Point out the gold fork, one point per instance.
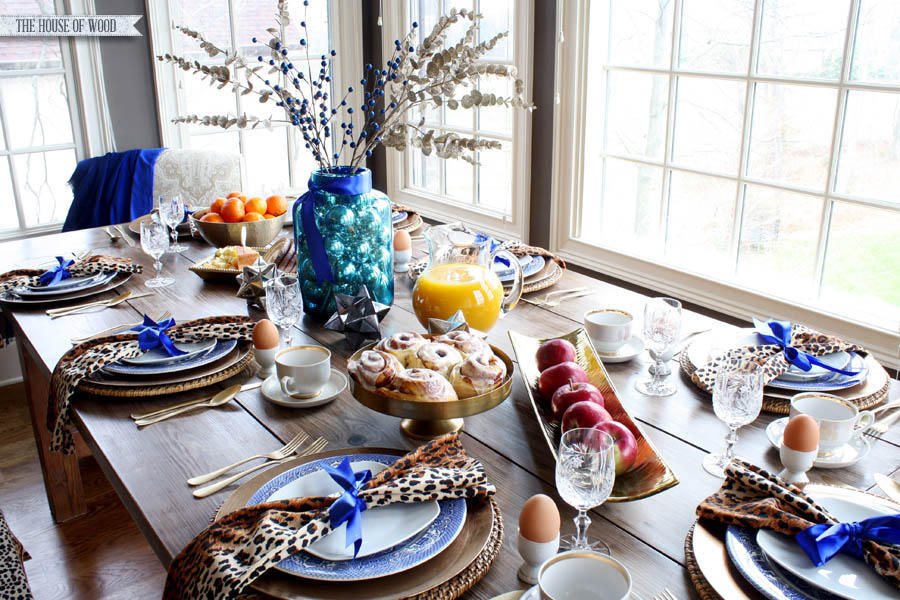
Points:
(62, 312)
(282, 452)
(317, 446)
(665, 595)
(557, 301)
(546, 297)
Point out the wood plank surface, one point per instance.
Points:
(148, 467)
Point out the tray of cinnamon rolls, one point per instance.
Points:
(430, 376)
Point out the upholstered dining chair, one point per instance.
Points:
(200, 176)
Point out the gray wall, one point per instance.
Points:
(128, 74)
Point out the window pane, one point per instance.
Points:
(304, 163)
(640, 32)
(460, 180)
(43, 182)
(252, 18)
(715, 35)
(495, 119)
(211, 18)
(621, 206)
(29, 52)
(226, 141)
(204, 99)
(876, 53)
(709, 115)
(779, 234)
(495, 179)
(426, 171)
(462, 118)
(790, 140)
(266, 159)
(701, 218)
(636, 114)
(870, 148)
(862, 262)
(8, 214)
(41, 108)
(497, 19)
(803, 38)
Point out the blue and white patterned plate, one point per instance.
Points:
(398, 216)
(835, 382)
(405, 555)
(530, 266)
(66, 286)
(159, 356)
(217, 351)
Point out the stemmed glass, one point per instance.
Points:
(585, 474)
(662, 325)
(737, 400)
(172, 213)
(155, 241)
(284, 304)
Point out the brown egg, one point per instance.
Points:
(539, 519)
(802, 433)
(402, 241)
(265, 335)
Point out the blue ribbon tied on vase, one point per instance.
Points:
(57, 273)
(152, 334)
(348, 508)
(349, 182)
(779, 334)
(821, 542)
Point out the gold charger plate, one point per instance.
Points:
(429, 420)
(268, 254)
(651, 474)
(113, 283)
(430, 576)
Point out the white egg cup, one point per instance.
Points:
(266, 359)
(401, 260)
(796, 464)
(535, 554)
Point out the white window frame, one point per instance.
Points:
(92, 133)
(396, 23)
(345, 22)
(568, 165)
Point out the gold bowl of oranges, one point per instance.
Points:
(239, 220)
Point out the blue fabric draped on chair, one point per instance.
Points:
(115, 188)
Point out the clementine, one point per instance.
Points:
(269, 216)
(216, 206)
(252, 216)
(256, 204)
(276, 205)
(212, 217)
(233, 194)
(233, 210)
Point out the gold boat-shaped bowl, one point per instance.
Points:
(650, 474)
(204, 271)
(429, 420)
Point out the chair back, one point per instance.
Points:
(200, 176)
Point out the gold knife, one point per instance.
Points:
(890, 487)
(167, 409)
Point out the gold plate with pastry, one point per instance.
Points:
(429, 420)
(205, 270)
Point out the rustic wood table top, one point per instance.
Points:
(149, 467)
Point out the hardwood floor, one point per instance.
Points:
(100, 555)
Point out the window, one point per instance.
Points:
(40, 128)
(743, 153)
(266, 152)
(493, 194)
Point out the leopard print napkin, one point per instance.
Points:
(89, 266)
(91, 356)
(238, 548)
(754, 498)
(13, 580)
(770, 356)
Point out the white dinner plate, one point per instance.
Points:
(78, 284)
(159, 356)
(383, 527)
(65, 284)
(843, 575)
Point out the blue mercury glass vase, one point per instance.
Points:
(357, 233)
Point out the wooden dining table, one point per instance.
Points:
(149, 467)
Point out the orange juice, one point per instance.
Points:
(445, 288)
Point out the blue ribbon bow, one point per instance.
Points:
(57, 273)
(823, 541)
(482, 238)
(779, 333)
(351, 183)
(348, 508)
(152, 334)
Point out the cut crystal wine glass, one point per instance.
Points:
(737, 400)
(662, 326)
(172, 213)
(284, 304)
(155, 241)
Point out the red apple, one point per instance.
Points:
(572, 392)
(553, 352)
(626, 446)
(584, 414)
(559, 375)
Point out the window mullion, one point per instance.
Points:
(17, 192)
(669, 142)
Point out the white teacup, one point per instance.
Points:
(303, 370)
(583, 574)
(608, 328)
(839, 420)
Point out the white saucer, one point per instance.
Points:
(628, 351)
(271, 389)
(849, 454)
(534, 594)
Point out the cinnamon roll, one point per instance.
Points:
(402, 345)
(464, 341)
(420, 385)
(437, 357)
(374, 369)
(478, 374)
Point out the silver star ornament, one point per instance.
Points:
(253, 279)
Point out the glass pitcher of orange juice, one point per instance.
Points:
(460, 276)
